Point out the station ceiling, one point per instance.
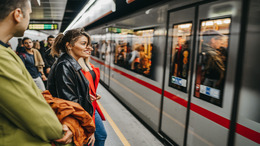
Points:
(61, 12)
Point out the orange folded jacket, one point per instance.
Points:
(74, 116)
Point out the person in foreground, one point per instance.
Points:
(26, 119)
(65, 79)
(92, 73)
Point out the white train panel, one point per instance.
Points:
(147, 69)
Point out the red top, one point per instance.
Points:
(93, 89)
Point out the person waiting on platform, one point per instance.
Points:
(92, 74)
(33, 62)
(20, 47)
(36, 45)
(25, 117)
(212, 63)
(48, 58)
(65, 80)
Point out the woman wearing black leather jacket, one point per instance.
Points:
(66, 80)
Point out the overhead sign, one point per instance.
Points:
(119, 30)
(42, 26)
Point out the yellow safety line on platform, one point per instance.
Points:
(116, 129)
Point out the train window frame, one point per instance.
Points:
(132, 49)
(170, 84)
(204, 97)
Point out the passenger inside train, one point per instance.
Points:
(212, 59)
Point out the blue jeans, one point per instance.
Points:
(100, 133)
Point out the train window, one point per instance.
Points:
(96, 45)
(122, 50)
(95, 49)
(136, 54)
(212, 59)
(180, 53)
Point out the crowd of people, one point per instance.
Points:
(136, 60)
(67, 113)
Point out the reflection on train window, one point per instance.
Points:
(212, 60)
(136, 54)
(97, 44)
(95, 49)
(102, 46)
(180, 53)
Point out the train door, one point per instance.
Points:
(102, 47)
(212, 88)
(95, 41)
(178, 73)
(107, 58)
(248, 118)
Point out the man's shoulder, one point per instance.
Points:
(208, 50)
(9, 58)
(35, 50)
(25, 55)
(22, 54)
(6, 53)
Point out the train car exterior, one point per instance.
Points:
(188, 69)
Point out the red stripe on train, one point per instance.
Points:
(240, 129)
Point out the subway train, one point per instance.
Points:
(188, 69)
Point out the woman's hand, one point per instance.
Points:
(91, 140)
(67, 138)
(98, 96)
(92, 98)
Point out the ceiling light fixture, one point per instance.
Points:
(87, 6)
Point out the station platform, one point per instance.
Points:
(123, 129)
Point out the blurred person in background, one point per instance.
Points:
(48, 58)
(20, 47)
(36, 45)
(33, 62)
(212, 60)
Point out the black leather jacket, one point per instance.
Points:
(48, 59)
(66, 81)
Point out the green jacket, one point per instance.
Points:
(25, 117)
